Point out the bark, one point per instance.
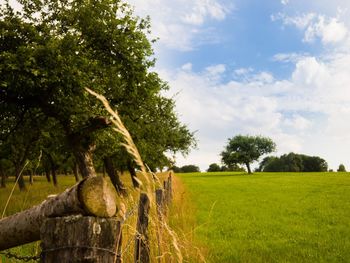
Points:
(93, 196)
(114, 176)
(133, 175)
(80, 239)
(53, 168)
(19, 177)
(47, 173)
(31, 178)
(76, 172)
(85, 162)
(3, 178)
(248, 168)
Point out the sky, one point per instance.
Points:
(275, 68)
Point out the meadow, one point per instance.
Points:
(270, 217)
(233, 217)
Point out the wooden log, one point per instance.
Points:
(92, 196)
(142, 249)
(80, 238)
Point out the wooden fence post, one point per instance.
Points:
(78, 238)
(170, 188)
(142, 249)
(92, 196)
(160, 202)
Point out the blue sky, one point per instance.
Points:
(277, 68)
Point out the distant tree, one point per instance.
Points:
(341, 168)
(232, 168)
(214, 167)
(246, 149)
(293, 162)
(176, 169)
(190, 169)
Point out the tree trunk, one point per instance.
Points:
(31, 178)
(93, 196)
(76, 172)
(133, 175)
(19, 177)
(81, 239)
(114, 176)
(85, 162)
(54, 177)
(47, 173)
(248, 168)
(3, 178)
(53, 168)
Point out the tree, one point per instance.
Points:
(190, 169)
(246, 149)
(214, 167)
(293, 162)
(341, 168)
(51, 50)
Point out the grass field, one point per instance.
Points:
(271, 217)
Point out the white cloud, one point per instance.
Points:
(180, 24)
(305, 113)
(289, 57)
(284, 2)
(330, 30)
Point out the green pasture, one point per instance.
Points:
(271, 217)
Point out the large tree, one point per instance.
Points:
(246, 149)
(51, 50)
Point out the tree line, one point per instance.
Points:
(50, 52)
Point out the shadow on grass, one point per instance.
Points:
(214, 174)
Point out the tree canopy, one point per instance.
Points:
(246, 149)
(293, 162)
(52, 50)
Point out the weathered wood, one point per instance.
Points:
(170, 189)
(142, 249)
(80, 239)
(92, 196)
(160, 202)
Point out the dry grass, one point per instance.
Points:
(160, 234)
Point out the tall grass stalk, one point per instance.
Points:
(149, 185)
(13, 188)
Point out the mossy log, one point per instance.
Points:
(92, 196)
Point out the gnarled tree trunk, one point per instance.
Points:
(248, 168)
(114, 176)
(85, 161)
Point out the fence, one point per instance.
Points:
(79, 225)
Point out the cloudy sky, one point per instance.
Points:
(277, 68)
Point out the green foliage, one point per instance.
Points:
(293, 162)
(341, 168)
(214, 167)
(186, 169)
(52, 50)
(246, 149)
(279, 217)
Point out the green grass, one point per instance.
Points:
(272, 217)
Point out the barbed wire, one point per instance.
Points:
(129, 213)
